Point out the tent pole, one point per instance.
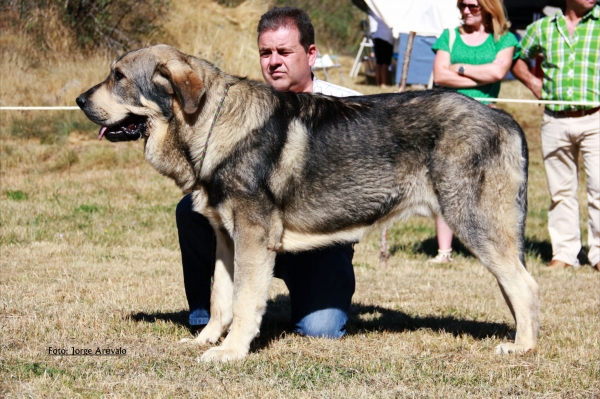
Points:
(383, 255)
(407, 54)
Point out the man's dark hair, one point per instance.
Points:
(288, 17)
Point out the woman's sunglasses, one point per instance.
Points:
(472, 7)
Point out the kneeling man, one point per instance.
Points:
(320, 281)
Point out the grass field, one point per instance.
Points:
(89, 259)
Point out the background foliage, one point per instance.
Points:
(337, 23)
(117, 25)
(121, 25)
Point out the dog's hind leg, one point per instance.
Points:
(501, 257)
(221, 296)
(486, 211)
(521, 293)
(254, 265)
(530, 329)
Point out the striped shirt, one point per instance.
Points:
(330, 89)
(571, 65)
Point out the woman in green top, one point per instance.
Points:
(473, 59)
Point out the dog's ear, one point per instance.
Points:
(184, 81)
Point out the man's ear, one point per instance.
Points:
(184, 81)
(312, 55)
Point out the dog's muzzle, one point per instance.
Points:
(132, 128)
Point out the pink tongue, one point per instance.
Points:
(101, 134)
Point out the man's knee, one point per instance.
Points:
(326, 323)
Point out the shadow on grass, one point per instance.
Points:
(429, 247)
(533, 247)
(383, 319)
(275, 322)
(180, 317)
(537, 248)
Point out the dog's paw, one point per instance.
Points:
(222, 355)
(209, 334)
(508, 348)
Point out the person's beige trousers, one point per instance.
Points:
(562, 141)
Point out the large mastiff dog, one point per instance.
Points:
(287, 172)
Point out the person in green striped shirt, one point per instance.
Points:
(570, 45)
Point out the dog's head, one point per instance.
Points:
(140, 92)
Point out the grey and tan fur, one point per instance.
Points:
(288, 172)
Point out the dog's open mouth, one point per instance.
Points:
(132, 128)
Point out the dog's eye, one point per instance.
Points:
(119, 76)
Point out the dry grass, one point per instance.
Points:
(225, 36)
(89, 258)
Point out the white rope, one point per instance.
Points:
(37, 108)
(496, 100)
(509, 100)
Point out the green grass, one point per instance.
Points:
(53, 128)
(17, 195)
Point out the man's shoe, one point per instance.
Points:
(597, 267)
(557, 264)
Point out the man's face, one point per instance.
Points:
(581, 5)
(285, 65)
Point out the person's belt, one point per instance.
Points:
(572, 114)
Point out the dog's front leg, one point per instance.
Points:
(254, 265)
(221, 297)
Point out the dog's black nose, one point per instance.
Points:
(81, 101)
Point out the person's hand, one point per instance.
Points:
(535, 85)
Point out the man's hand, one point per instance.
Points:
(535, 85)
(521, 71)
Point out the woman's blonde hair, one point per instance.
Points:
(497, 22)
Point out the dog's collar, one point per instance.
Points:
(203, 154)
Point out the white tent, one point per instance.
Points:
(426, 17)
